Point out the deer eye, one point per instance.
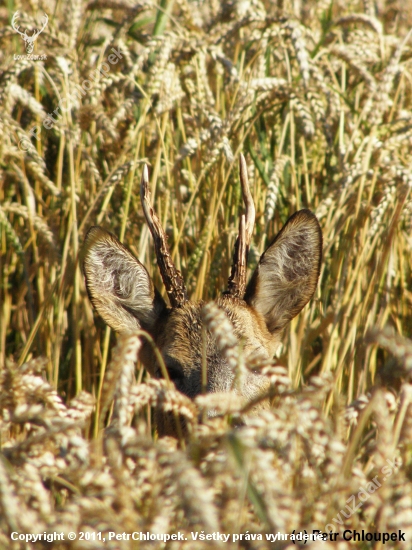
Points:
(175, 370)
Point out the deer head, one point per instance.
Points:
(283, 282)
(28, 40)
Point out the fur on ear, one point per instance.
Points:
(288, 271)
(118, 284)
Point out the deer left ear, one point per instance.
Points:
(118, 284)
(288, 271)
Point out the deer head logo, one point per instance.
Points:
(28, 40)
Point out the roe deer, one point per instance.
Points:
(283, 282)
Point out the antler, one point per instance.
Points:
(172, 278)
(45, 23)
(13, 23)
(237, 281)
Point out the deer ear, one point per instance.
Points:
(288, 271)
(119, 285)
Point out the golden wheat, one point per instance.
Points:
(318, 97)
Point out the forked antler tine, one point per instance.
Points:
(247, 199)
(46, 17)
(237, 279)
(45, 22)
(13, 23)
(172, 278)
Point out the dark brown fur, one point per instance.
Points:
(283, 282)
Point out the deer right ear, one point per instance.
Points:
(118, 284)
(288, 271)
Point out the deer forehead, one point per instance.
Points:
(182, 340)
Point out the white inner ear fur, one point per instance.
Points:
(287, 274)
(119, 285)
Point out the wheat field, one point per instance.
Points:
(318, 97)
